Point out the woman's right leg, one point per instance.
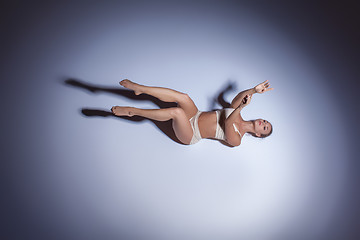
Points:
(181, 124)
(164, 94)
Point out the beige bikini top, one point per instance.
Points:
(220, 134)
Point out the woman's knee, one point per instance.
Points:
(183, 98)
(177, 112)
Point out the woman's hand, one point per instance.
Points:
(245, 101)
(263, 87)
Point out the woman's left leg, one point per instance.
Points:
(164, 94)
(181, 124)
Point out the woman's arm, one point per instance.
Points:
(235, 103)
(233, 137)
(260, 88)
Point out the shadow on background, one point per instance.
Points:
(165, 127)
(219, 97)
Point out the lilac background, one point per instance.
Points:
(72, 176)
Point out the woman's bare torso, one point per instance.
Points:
(207, 124)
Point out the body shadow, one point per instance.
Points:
(164, 126)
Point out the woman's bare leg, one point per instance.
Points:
(181, 124)
(164, 94)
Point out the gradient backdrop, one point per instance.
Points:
(73, 171)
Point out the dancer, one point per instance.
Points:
(191, 125)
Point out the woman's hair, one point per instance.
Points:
(262, 135)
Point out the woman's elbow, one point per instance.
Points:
(234, 143)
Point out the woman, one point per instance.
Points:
(190, 125)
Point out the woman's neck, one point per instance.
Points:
(248, 126)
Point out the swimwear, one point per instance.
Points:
(219, 134)
(195, 127)
(220, 114)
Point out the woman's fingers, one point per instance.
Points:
(246, 100)
(264, 87)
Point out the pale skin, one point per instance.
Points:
(186, 109)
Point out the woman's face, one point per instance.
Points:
(262, 127)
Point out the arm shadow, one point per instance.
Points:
(219, 97)
(165, 127)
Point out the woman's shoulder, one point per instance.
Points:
(226, 110)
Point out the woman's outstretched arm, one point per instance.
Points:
(235, 103)
(260, 88)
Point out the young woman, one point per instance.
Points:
(191, 125)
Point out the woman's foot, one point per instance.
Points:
(122, 111)
(131, 85)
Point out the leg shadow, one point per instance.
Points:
(120, 92)
(165, 127)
